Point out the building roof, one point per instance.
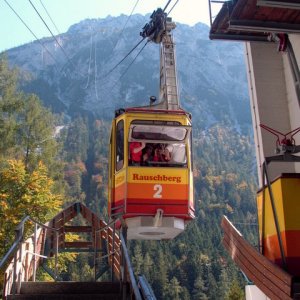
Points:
(254, 20)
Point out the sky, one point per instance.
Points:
(65, 13)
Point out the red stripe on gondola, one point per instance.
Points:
(171, 208)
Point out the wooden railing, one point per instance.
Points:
(27, 255)
(269, 278)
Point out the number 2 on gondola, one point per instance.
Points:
(158, 190)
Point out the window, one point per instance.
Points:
(159, 133)
(158, 154)
(120, 145)
(158, 143)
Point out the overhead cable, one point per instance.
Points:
(167, 5)
(134, 59)
(63, 50)
(50, 17)
(114, 85)
(128, 18)
(38, 40)
(124, 58)
(172, 7)
(120, 35)
(134, 48)
(131, 62)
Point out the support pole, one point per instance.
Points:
(263, 221)
(34, 251)
(14, 274)
(56, 256)
(124, 265)
(113, 252)
(95, 254)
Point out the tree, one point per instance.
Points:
(27, 129)
(160, 282)
(235, 292)
(199, 289)
(10, 106)
(77, 140)
(137, 259)
(147, 267)
(223, 283)
(174, 290)
(36, 132)
(21, 194)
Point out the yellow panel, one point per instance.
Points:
(291, 204)
(286, 192)
(120, 177)
(270, 228)
(183, 119)
(158, 175)
(259, 202)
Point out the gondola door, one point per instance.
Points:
(117, 185)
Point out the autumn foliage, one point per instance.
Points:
(23, 193)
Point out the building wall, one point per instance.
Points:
(273, 100)
(293, 104)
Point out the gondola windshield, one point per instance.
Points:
(159, 145)
(156, 132)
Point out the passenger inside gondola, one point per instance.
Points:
(175, 154)
(135, 150)
(159, 153)
(170, 152)
(148, 155)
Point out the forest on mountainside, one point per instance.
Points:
(47, 171)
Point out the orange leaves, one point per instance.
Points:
(23, 193)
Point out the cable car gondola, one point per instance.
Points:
(150, 174)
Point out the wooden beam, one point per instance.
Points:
(78, 228)
(291, 4)
(272, 280)
(78, 244)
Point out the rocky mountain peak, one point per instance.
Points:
(212, 77)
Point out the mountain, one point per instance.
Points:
(79, 75)
(74, 72)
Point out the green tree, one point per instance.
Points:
(137, 259)
(10, 106)
(173, 290)
(36, 133)
(223, 284)
(27, 128)
(77, 140)
(148, 267)
(199, 289)
(235, 292)
(160, 282)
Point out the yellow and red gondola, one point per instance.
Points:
(153, 198)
